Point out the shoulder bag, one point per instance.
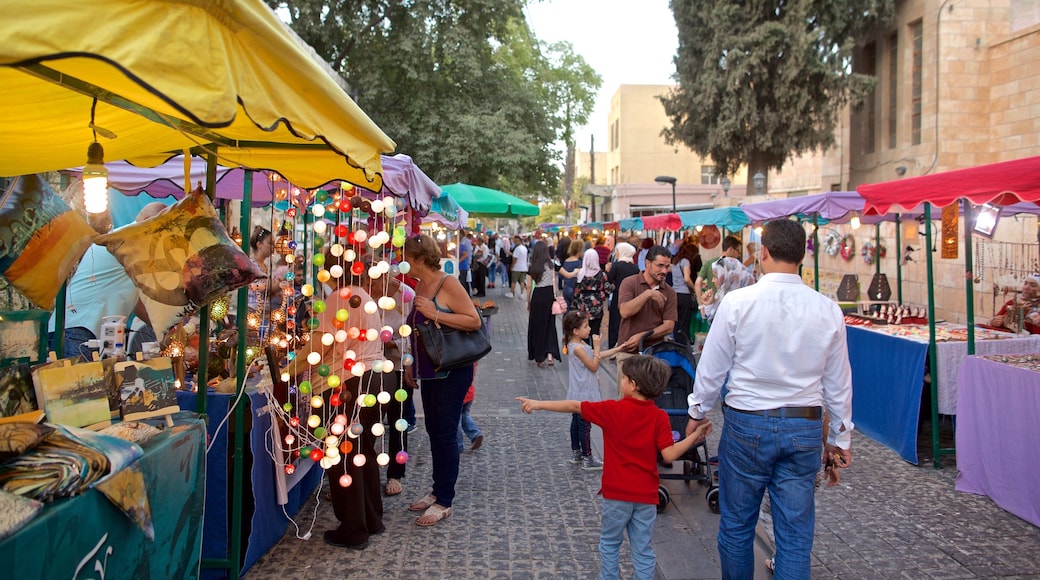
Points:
(559, 305)
(450, 348)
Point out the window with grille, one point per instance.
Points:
(917, 33)
(893, 90)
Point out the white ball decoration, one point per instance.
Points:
(358, 370)
(384, 265)
(325, 462)
(350, 354)
(289, 258)
(405, 330)
(404, 267)
(384, 396)
(332, 453)
(313, 358)
(377, 207)
(341, 336)
(360, 460)
(377, 366)
(318, 210)
(374, 273)
(370, 307)
(327, 339)
(331, 441)
(320, 226)
(349, 254)
(336, 429)
(374, 241)
(382, 302)
(389, 200)
(336, 271)
(285, 377)
(360, 236)
(382, 459)
(336, 250)
(390, 211)
(388, 366)
(371, 334)
(378, 429)
(341, 420)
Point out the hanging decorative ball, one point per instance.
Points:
(341, 335)
(383, 397)
(277, 316)
(397, 241)
(356, 429)
(386, 335)
(401, 395)
(327, 339)
(336, 429)
(366, 206)
(407, 359)
(370, 307)
(405, 267)
(316, 454)
(358, 369)
(333, 381)
(332, 454)
(324, 370)
(356, 201)
(360, 460)
(370, 400)
(377, 366)
(371, 334)
(307, 290)
(383, 459)
(313, 421)
(324, 276)
(344, 205)
(388, 366)
(319, 432)
(390, 211)
(313, 323)
(291, 311)
(313, 358)
(349, 254)
(320, 226)
(290, 439)
(294, 421)
(322, 196)
(318, 260)
(318, 306)
(253, 320)
(336, 271)
(346, 447)
(345, 480)
(405, 330)
(290, 469)
(305, 386)
(374, 273)
(360, 236)
(335, 400)
(342, 231)
(401, 425)
(378, 429)
(318, 210)
(287, 407)
(293, 245)
(402, 456)
(219, 308)
(317, 402)
(355, 301)
(377, 206)
(318, 243)
(336, 250)
(357, 269)
(304, 451)
(326, 462)
(291, 212)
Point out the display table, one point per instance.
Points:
(997, 451)
(263, 523)
(87, 537)
(888, 374)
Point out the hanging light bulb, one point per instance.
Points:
(854, 222)
(95, 180)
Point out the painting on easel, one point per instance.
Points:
(147, 388)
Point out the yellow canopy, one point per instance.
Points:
(225, 75)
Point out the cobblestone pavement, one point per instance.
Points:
(523, 511)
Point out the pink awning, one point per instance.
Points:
(665, 221)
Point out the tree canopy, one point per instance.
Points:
(462, 86)
(762, 80)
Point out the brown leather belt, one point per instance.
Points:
(785, 412)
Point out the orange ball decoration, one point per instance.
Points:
(346, 447)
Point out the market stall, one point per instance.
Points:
(996, 456)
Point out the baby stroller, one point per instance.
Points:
(679, 355)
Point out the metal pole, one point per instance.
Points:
(899, 261)
(933, 355)
(969, 277)
(673, 197)
(816, 251)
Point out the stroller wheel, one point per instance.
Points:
(663, 497)
(713, 499)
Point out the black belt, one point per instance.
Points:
(785, 412)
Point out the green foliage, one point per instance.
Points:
(760, 81)
(462, 86)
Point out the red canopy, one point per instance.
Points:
(1002, 183)
(665, 221)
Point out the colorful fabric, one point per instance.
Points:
(731, 275)
(592, 293)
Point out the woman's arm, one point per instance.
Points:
(686, 276)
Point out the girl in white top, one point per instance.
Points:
(583, 362)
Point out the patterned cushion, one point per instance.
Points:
(41, 239)
(180, 259)
(15, 512)
(17, 438)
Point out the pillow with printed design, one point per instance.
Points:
(41, 239)
(180, 259)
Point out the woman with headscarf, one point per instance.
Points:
(542, 342)
(592, 291)
(729, 274)
(622, 267)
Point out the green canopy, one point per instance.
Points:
(485, 202)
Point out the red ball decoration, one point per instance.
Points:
(335, 400)
(353, 332)
(350, 238)
(290, 469)
(316, 454)
(344, 206)
(348, 364)
(342, 231)
(291, 212)
(294, 421)
(291, 311)
(345, 292)
(357, 268)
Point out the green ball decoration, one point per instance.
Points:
(398, 241)
(287, 407)
(318, 306)
(399, 232)
(305, 451)
(324, 370)
(322, 196)
(313, 323)
(401, 395)
(370, 400)
(305, 388)
(318, 242)
(318, 260)
(319, 432)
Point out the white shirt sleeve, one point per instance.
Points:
(715, 363)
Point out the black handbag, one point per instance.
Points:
(450, 348)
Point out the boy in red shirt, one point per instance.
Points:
(634, 430)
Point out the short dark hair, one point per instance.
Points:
(650, 374)
(656, 251)
(785, 240)
(730, 243)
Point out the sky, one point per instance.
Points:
(628, 42)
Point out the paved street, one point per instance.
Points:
(523, 511)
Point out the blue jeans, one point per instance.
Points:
(580, 435)
(75, 343)
(467, 425)
(782, 455)
(503, 271)
(492, 269)
(638, 520)
(442, 405)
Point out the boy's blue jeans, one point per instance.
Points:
(467, 425)
(758, 453)
(638, 520)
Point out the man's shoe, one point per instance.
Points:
(590, 463)
(330, 539)
(477, 443)
(576, 456)
(509, 294)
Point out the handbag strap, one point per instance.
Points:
(437, 290)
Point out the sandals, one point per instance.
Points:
(393, 487)
(432, 515)
(423, 504)
(770, 564)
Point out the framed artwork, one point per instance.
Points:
(17, 394)
(73, 395)
(23, 336)
(146, 388)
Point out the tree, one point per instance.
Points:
(760, 81)
(458, 84)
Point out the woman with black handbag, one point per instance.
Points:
(443, 301)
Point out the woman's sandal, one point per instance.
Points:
(770, 564)
(432, 515)
(423, 504)
(393, 487)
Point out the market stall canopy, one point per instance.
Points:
(226, 76)
(631, 224)
(486, 202)
(664, 221)
(403, 178)
(1002, 183)
(731, 218)
(830, 206)
(447, 212)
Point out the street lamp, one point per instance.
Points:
(759, 181)
(725, 186)
(671, 180)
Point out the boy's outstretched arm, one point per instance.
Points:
(683, 445)
(530, 405)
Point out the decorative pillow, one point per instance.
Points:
(133, 431)
(41, 239)
(15, 512)
(180, 259)
(17, 438)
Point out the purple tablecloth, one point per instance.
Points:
(998, 444)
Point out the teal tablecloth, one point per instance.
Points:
(87, 537)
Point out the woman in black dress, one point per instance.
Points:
(622, 267)
(542, 341)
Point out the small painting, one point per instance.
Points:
(23, 336)
(17, 395)
(147, 388)
(73, 395)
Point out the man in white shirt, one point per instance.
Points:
(518, 275)
(782, 346)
